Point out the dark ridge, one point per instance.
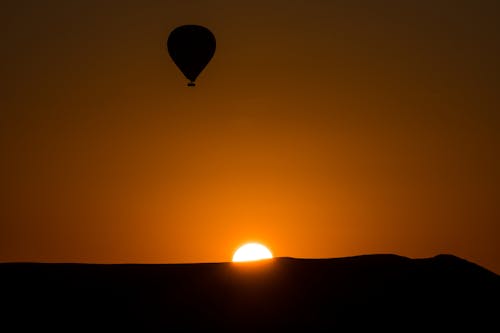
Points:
(370, 292)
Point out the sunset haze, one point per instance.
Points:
(320, 129)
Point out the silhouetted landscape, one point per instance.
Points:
(384, 291)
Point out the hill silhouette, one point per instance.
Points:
(383, 291)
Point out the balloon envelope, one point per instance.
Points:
(191, 47)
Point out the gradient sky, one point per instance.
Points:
(320, 128)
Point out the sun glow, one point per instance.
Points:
(252, 252)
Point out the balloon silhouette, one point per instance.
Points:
(191, 47)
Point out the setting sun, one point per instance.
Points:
(251, 252)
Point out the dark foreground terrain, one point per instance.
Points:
(373, 292)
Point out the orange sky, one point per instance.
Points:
(320, 128)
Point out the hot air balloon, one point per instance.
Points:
(191, 47)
